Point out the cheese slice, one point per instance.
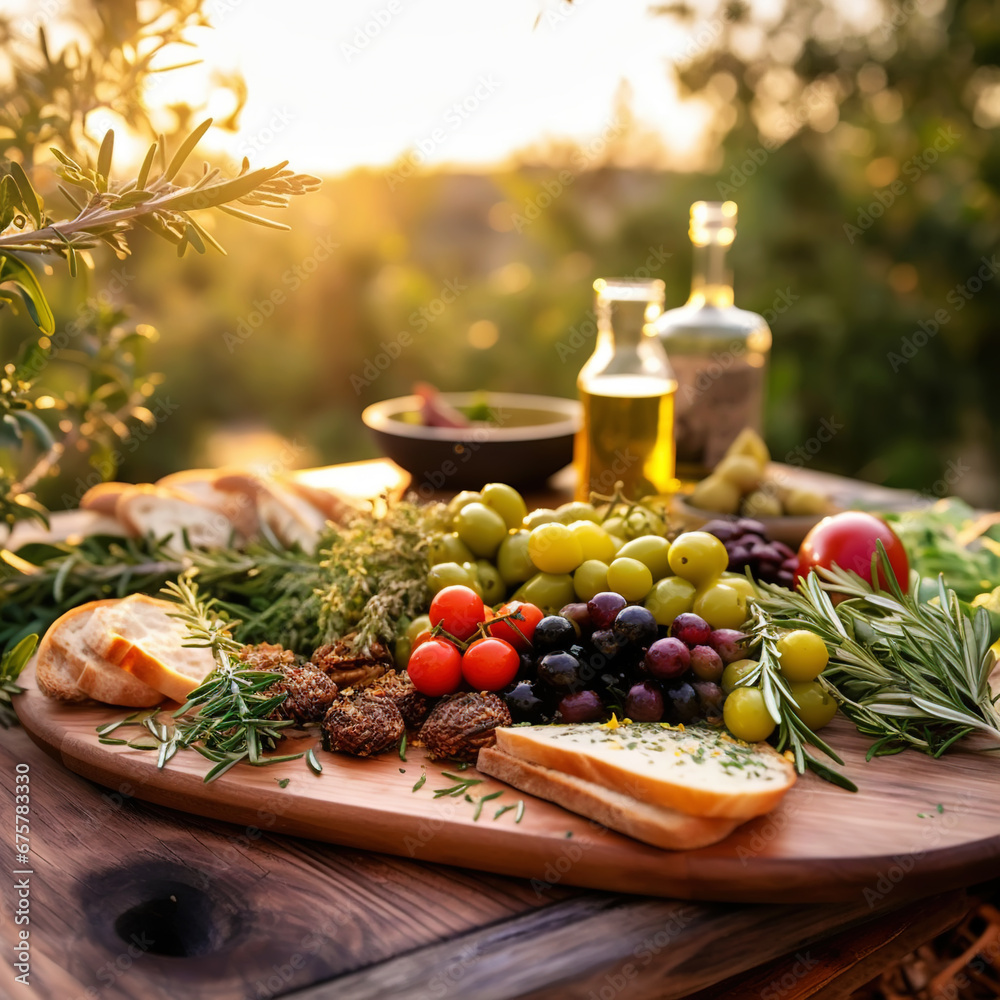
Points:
(698, 770)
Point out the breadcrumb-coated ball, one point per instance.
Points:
(362, 725)
(462, 724)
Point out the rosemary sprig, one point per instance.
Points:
(11, 664)
(793, 733)
(227, 718)
(908, 674)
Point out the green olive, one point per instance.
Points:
(448, 548)
(507, 502)
(543, 515)
(459, 500)
(746, 715)
(494, 590)
(481, 528)
(590, 578)
(653, 550)
(513, 561)
(735, 672)
(419, 624)
(670, 597)
(451, 574)
(815, 706)
(576, 510)
(549, 591)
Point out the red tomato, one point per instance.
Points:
(848, 539)
(435, 667)
(490, 664)
(519, 637)
(421, 638)
(458, 610)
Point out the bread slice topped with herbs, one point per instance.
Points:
(697, 770)
(656, 825)
(139, 634)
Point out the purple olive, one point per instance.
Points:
(583, 706)
(751, 527)
(710, 698)
(644, 703)
(579, 613)
(706, 664)
(667, 659)
(728, 643)
(604, 608)
(691, 629)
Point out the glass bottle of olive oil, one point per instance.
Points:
(627, 390)
(719, 352)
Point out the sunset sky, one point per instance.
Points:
(361, 82)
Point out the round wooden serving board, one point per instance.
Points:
(917, 825)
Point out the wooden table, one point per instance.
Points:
(131, 900)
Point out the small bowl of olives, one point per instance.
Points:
(511, 438)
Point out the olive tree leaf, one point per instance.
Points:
(104, 159)
(17, 273)
(28, 419)
(31, 201)
(185, 150)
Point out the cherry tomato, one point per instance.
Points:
(420, 638)
(490, 664)
(435, 668)
(520, 637)
(458, 610)
(848, 539)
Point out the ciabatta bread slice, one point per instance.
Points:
(698, 770)
(103, 497)
(67, 669)
(138, 634)
(156, 510)
(292, 519)
(201, 485)
(656, 825)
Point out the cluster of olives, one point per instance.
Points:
(551, 558)
(748, 547)
(608, 655)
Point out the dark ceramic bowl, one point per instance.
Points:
(528, 439)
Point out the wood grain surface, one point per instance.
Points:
(133, 901)
(917, 826)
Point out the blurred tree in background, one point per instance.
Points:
(863, 155)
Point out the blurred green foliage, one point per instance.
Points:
(821, 125)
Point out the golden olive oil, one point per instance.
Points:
(627, 436)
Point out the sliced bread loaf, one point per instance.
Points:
(698, 770)
(200, 484)
(656, 825)
(67, 669)
(291, 518)
(138, 634)
(159, 511)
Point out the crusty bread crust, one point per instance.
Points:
(103, 497)
(68, 670)
(161, 510)
(661, 827)
(743, 802)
